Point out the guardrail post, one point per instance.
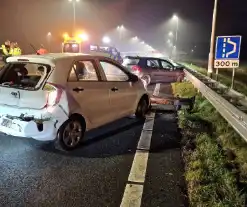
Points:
(233, 77)
(217, 73)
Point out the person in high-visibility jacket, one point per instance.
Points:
(15, 50)
(4, 50)
(42, 50)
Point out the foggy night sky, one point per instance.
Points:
(28, 21)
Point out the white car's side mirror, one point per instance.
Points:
(133, 78)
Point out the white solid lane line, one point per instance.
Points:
(132, 196)
(134, 188)
(156, 89)
(144, 143)
(139, 166)
(148, 125)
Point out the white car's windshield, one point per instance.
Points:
(23, 75)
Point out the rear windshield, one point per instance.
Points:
(130, 61)
(27, 76)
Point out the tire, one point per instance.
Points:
(71, 133)
(142, 109)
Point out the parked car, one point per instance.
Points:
(153, 69)
(61, 96)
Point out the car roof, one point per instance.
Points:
(51, 58)
(141, 57)
(151, 58)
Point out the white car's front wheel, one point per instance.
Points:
(71, 133)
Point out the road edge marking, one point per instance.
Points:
(134, 188)
(133, 191)
(132, 195)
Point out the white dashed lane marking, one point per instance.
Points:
(156, 89)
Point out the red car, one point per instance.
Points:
(154, 70)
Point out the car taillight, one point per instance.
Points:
(54, 94)
(136, 68)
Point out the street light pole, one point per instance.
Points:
(120, 32)
(212, 42)
(74, 15)
(49, 41)
(176, 38)
(177, 33)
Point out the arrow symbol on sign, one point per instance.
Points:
(234, 47)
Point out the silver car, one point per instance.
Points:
(151, 69)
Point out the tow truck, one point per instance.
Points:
(80, 45)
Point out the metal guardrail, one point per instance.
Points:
(236, 118)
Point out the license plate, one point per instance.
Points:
(7, 123)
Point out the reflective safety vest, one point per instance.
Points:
(4, 50)
(15, 51)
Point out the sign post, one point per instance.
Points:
(217, 73)
(233, 77)
(227, 53)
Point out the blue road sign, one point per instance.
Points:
(228, 47)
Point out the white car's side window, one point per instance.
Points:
(83, 71)
(113, 73)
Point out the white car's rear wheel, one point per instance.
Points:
(71, 133)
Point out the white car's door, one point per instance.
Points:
(123, 95)
(90, 93)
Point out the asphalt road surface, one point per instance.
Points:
(128, 163)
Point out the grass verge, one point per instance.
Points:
(215, 155)
(225, 78)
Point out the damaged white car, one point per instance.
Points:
(61, 96)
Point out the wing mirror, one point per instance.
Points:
(133, 78)
(179, 68)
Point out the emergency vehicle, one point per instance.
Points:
(78, 45)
